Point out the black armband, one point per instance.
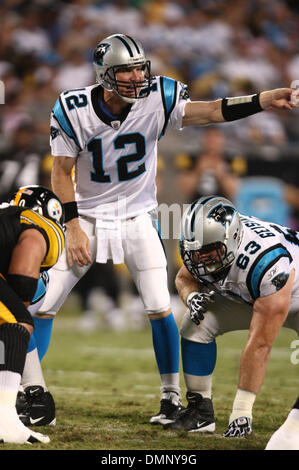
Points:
(240, 107)
(70, 211)
(24, 286)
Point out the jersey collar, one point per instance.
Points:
(107, 118)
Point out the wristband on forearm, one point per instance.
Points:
(70, 211)
(243, 404)
(239, 107)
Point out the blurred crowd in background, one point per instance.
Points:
(219, 48)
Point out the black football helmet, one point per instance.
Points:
(40, 200)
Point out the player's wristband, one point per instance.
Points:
(70, 211)
(243, 404)
(240, 107)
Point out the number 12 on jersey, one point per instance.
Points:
(124, 174)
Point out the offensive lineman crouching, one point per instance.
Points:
(239, 273)
(31, 240)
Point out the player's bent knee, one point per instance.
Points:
(204, 333)
(44, 315)
(155, 315)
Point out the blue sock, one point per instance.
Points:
(42, 333)
(166, 344)
(32, 343)
(198, 358)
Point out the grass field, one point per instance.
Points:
(106, 387)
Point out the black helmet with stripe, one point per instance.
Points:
(41, 200)
(211, 234)
(117, 52)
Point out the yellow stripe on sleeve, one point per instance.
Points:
(54, 232)
(5, 315)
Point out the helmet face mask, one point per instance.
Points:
(210, 263)
(40, 200)
(211, 234)
(118, 53)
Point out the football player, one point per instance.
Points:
(239, 273)
(108, 133)
(35, 404)
(31, 240)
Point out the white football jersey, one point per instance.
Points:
(267, 254)
(116, 156)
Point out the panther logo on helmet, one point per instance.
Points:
(100, 52)
(222, 214)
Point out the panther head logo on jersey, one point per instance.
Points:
(100, 52)
(54, 132)
(184, 94)
(280, 280)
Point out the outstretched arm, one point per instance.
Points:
(198, 113)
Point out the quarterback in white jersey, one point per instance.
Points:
(108, 134)
(116, 157)
(239, 273)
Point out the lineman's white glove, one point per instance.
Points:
(240, 427)
(198, 304)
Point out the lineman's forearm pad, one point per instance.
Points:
(239, 107)
(24, 286)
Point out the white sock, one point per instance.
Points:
(199, 384)
(9, 387)
(170, 383)
(33, 374)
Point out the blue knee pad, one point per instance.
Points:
(166, 344)
(198, 358)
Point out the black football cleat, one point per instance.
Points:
(170, 407)
(197, 417)
(36, 407)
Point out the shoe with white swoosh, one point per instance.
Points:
(197, 417)
(36, 407)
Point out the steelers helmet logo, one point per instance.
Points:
(54, 209)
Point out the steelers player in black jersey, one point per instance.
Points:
(31, 240)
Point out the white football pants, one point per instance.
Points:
(134, 241)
